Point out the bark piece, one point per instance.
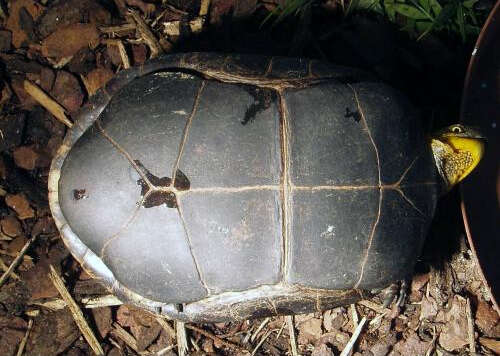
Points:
(11, 226)
(20, 205)
(454, 334)
(64, 13)
(68, 40)
(67, 91)
(26, 157)
(11, 127)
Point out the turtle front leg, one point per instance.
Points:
(397, 292)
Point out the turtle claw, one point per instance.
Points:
(395, 292)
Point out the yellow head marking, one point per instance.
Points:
(457, 151)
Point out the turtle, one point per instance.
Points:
(209, 187)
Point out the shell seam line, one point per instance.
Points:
(186, 131)
(377, 218)
(124, 153)
(285, 185)
(191, 250)
(124, 227)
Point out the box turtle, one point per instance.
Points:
(211, 187)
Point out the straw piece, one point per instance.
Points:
(76, 312)
(353, 338)
(16, 261)
(47, 102)
(25, 338)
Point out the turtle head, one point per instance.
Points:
(457, 150)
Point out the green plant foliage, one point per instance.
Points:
(417, 17)
(290, 8)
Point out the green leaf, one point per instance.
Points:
(461, 21)
(410, 12)
(389, 6)
(469, 4)
(435, 7)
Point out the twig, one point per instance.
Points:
(353, 338)
(53, 304)
(261, 326)
(25, 338)
(5, 268)
(146, 34)
(16, 261)
(215, 338)
(291, 332)
(182, 345)
(76, 312)
(470, 328)
(266, 335)
(108, 300)
(121, 50)
(165, 350)
(281, 330)
(166, 326)
(47, 102)
(118, 30)
(379, 308)
(123, 334)
(355, 317)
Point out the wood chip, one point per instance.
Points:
(470, 327)
(146, 34)
(125, 336)
(205, 4)
(291, 332)
(166, 326)
(47, 102)
(228, 344)
(118, 30)
(76, 312)
(108, 300)
(492, 344)
(121, 50)
(182, 345)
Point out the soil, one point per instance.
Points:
(69, 49)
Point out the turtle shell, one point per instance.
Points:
(210, 188)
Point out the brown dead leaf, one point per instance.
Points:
(412, 345)
(64, 13)
(309, 331)
(103, 320)
(12, 330)
(337, 338)
(66, 41)
(334, 319)
(25, 157)
(322, 350)
(11, 226)
(487, 319)
(428, 308)
(14, 21)
(67, 91)
(5, 41)
(492, 344)
(454, 334)
(52, 333)
(20, 205)
(17, 244)
(96, 79)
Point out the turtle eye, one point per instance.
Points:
(457, 129)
